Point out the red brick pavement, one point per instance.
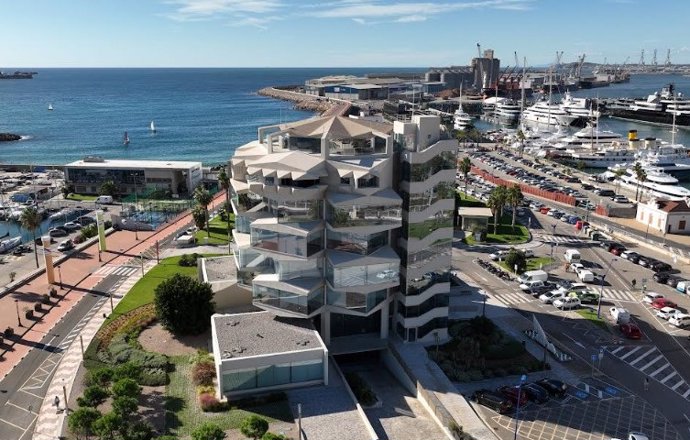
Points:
(77, 280)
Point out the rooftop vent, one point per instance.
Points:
(227, 354)
(239, 349)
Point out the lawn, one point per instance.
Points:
(505, 234)
(142, 292)
(591, 316)
(81, 197)
(183, 414)
(218, 230)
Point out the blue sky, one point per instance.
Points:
(334, 33)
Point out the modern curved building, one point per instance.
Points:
(348, 223)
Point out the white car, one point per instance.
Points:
(498, 255)
(680, 320)
(576, 267)
(667, 312)
(635, 436)
(651, 296)
(567, 303)
(550, 297)
(386, 274)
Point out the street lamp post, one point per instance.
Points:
(601, 290)
(523, 378)
(136, 204)
(19, 320)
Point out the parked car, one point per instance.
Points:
(627, 254)
(617, 249)
(567, 303)
(620, 315)
(660, 266)
(58, 232)
(649, 297)
(660, 303)
(550, 297)
(631, 331)
(586, 297)
(86, 220)
(553, 386)
(493, 400)
(72, 226)
(65, 245)
(620, 199)
(673, 280)
(499, 255)
(646, 261)
(661, 277)
(680, 320)
(667, 312)
(514, 395)
(535, 393)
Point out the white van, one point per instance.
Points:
(585, 276)
(104, 200)
(572, 256)
(533, 275)
(680, 320)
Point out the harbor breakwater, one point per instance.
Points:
(318, 104)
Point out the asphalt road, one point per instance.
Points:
(22, 391)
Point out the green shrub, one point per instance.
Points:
(507, 350)
(272, 436)
(126, 387)
(254, 427)
(188, 260)
(153, 377)
(128, 370)
(205, 389)
(93, 396)
(99, 376)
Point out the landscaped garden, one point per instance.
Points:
(218, 231)
(147, 370)
(478, 350)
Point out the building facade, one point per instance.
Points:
(130, 176)
(665, 216)
(322, 207)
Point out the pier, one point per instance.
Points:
(324, 106)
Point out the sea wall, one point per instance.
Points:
(319, 104)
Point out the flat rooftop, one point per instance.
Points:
(263, 333)
(134, 164)
(220, 269)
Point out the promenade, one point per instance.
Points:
(78, 280)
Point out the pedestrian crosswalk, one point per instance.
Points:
(649, 360)
(118, 270)
(562, 239)
(512, 298)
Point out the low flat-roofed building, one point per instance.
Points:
(665, 216)
(257, 352)
(178, 177)
(474, 218)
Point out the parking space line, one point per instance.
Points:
(676, 386)
(649, 364)
(617, 350)
(686, 394)
(631, 352)
(639, 358)
(659, 370)
(673, 373)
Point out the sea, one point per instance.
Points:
(199, 114)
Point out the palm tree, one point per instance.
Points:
(521, 138)
(494, 203)
(502, 194)
(31, 221)
(641, 178)
(515, 198)
(638, 170)
(224, 181)
(465, 168)
(203, 198)
(618, 173)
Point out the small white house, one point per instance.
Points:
(260, 352)
(665, 216)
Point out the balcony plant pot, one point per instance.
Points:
(37, 307)
(45, 299)
(53, 292)
(29, 314)
(9, 332)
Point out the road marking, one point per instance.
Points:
(16, 426)
(639, 358)
(617, 350)
(652, 361)
(659, 370)
(676, 386)
(687, 393)
(630, 352)
(668, 377)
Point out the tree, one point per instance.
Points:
(93, 396)
(515, 198)
(108, 426)
(224, 181)
(618, 172)
(126, 388)
(108, 188)
(580, 165)
(272, 436)
(31, 221)
(637, 169)
(254, 427)
(199, 216)
(66, 190)
(125, 406)
(494, 203)
(184, 305)
(203, 198)
(81, 422)
(516, 258)
(138, 431)
(208, 431)
(465, 168)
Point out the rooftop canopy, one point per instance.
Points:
(335, 127)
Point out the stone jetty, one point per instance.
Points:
(324, 106)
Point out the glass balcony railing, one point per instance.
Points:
(436, 301)
(420, 285)
(286, 243)
(340, 277)
(291, 302)
(355, 301)
(420, 172)
(363, 215)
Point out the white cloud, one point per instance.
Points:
(411, 19)
(192, 10)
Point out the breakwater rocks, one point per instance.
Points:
(8, 137)
(302, 101)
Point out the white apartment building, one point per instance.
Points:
(348, 223)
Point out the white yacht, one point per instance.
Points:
(657, 184)
(507, 112)
(548, 114)
(461, 120)
(590, 136)
(602, 158)
(580, 107)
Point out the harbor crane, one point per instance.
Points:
(654, 58)
(668, 58)
(642, 58)
(580, 63)
(479, 50)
